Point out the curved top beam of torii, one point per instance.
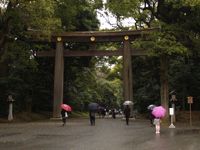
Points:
(101, 36)
(97, 36)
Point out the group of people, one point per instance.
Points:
(155, 121)
(105, 112)
(102, 112)
(127, 113)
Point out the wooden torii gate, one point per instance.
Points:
(93, 37)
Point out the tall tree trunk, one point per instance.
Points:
(164, 91)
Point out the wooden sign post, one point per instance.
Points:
(190, 101)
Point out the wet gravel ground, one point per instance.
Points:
(107, 134)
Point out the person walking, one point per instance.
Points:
(157, 122)
(92, 117)
(113, 113)
(127, 113)
(151, 118)
(64, 116)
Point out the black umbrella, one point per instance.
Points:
(93, 106)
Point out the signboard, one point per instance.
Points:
(173, 98)
(190, 99)
(171, 111)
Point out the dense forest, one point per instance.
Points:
(26, 27)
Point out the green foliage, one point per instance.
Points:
(146, 82)
(184, 78)
(79, 15)
(123, 8)
(161, 43)
(40, 15)
(96, 4)
(167, 44)
(187, 2)
(91, 86)
(36, 17)
(19, 57)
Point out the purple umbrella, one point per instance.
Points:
(159, 112)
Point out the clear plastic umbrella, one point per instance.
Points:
(151, 107)
(128, 103)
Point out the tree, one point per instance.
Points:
(22, 22)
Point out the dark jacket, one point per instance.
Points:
(127, 111)
(63, 113)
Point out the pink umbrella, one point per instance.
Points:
(66, 107)
(159, 112)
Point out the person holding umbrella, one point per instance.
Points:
(158, 112)
(92, 117)
(130, 105)
(127, 112)
(64, 109)
(93, 107)
(151, 116)
(64, 116)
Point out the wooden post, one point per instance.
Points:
(164, 91)
(58, 78)
(190, 101)
(190, 114)
(130, 79)
(127, 71)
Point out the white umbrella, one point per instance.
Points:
(128, 103)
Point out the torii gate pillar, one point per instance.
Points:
(58, 79)
(127, 71)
